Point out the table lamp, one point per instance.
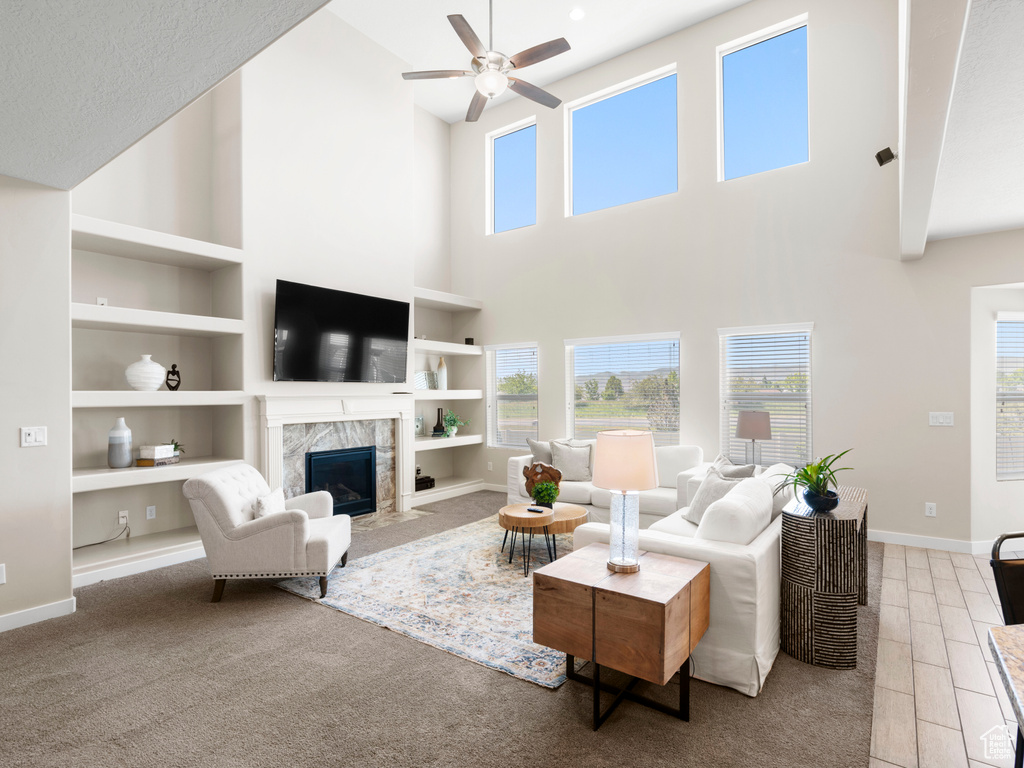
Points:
(753, 426)
(625, 465)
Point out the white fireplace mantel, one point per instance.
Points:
(277, 411)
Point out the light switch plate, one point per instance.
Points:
(940, 419)
(3, 573)
(33, 437)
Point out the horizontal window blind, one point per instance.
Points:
(511, 395)
(624, 385)
(768, 372)
(1009, 400)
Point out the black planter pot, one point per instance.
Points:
(545, 504)
(820, 503)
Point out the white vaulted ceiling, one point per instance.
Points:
(82, 80)
(980, 182)
(419, 33)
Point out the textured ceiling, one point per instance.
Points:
(82, 80)
(980, 183)
(419, 33)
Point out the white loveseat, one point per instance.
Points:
(678, 465)
(743, 635)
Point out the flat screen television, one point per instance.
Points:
(321, 334)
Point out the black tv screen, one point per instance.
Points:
(325, 335)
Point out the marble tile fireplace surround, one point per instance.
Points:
(293, 426)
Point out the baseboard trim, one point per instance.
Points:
(495, 487)
(34, 615)
(103, 573)
(931, 542)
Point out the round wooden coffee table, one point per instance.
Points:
(517, 518)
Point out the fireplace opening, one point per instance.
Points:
(349, 475)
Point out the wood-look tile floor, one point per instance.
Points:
(937, 692)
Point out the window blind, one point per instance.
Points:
(511, 395)
(768, 372)
(1009, 400)
(624, 385)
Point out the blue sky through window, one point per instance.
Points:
(764, 104)
(624, 148)
(515, 179)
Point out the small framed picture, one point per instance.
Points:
(425, 380)
(420, 429)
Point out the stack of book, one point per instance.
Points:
(156, 456)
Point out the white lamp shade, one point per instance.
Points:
(625, 461)
(754, 425)
(491, 83)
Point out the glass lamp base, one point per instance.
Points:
(625, 532)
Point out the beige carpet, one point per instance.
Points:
(149, 673)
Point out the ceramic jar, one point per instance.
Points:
(145, 375)
(119, 446)
(442, 374)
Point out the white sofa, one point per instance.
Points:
(743, 635)
(678, 465)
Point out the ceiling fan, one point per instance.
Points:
(492, 70)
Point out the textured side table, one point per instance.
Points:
(824, 577)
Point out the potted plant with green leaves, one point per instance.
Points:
(544, 494)
(452, 423)
(812, 483)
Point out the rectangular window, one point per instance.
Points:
(513, 169)
(1010, 400)
(511, 395)
(623, 144)
(763, 100)
(768, 368)
(623, 382)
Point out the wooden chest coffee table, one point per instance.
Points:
(645, 624)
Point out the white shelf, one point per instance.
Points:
(94, 317)
(428, 347)
(103, 478)
(436, 443)
(160, 398)
(124, 557)
(447, 488)
(447, 302)
(126, 241)
(448, 394)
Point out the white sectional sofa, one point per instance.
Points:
(678, 467)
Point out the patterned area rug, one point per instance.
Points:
(455, 591)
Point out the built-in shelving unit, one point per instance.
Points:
(136, 291)
(437, 316)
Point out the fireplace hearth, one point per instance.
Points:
(348, 474)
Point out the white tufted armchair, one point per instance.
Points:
(304, 540)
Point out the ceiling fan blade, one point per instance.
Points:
(467, 35)
(539, 52)
(435, 74)
(533, 93)
(476, 107)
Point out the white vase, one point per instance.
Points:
(119, 446)
(442, 374)
(453, 432)
(145, 375)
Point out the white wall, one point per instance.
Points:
(813, 242)
(35, 389)
(432, 201)
(997, 506)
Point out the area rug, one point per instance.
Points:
(455, 591)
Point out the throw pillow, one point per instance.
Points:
(571, 460)
(541, 450)
(712, 488)
(739, 516)
(724, 465)
(774, 475)
(271, 503)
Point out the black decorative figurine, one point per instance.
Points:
(439, 427)
(173, 378)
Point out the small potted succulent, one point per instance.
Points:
(812, 482)
(452, 423)
(178, 447)
(544, 494)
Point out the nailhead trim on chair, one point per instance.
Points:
(268, 575)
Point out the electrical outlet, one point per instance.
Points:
(929, 509)
(940, 419)
(33, 437)
(151, 512)
(3, 573)
(101, 301)
(122, 517)
(490, 466)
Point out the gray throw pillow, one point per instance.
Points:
(572, 461)
(724, 465)
(541, 450)
(712, 488)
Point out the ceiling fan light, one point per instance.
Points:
(491, 83)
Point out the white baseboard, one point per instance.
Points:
(39, 613)
(931, 542)
(102, 573)
(495, 487)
